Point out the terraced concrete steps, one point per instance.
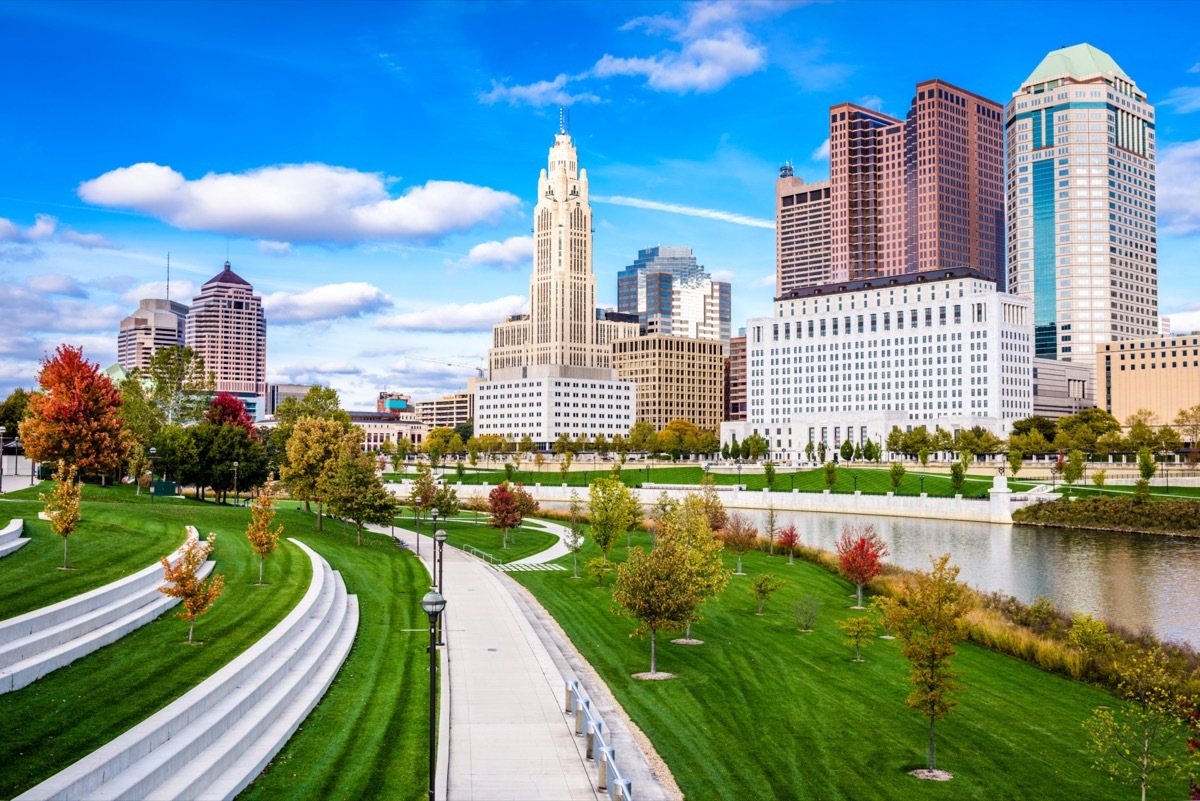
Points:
(10, 537)
(215, 739)
(41, 641)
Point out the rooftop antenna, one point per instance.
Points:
(562, 129)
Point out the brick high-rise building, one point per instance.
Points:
(801, 232)
(735, 378)
(918, 194)
(227, 328)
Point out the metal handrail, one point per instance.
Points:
(471, 549)
(589, 726)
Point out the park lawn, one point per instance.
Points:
(762, 711)
(114, 540)
(526, 542)
(368, 737)
(74, 710)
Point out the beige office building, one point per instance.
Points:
(157, 323)
(1161, 374)
(678, 378)
(226, 326)
(802, 254)
(445, 412)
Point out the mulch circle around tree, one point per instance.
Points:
(932, 775)
(686, 641)
(656, 676)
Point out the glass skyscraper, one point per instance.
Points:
(1081, 196)
(672, 294)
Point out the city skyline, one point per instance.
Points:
(423, 247)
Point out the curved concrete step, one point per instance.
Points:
(216, 738)
(10, 536)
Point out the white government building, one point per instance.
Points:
(849, 361)
(550, 371)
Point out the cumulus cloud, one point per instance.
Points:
(46, 228)
(25, 308)
(1179, 188)
(722, 275)
(507, 255)
(1185, 99)
(704, 64)
(457, 317)
(763, 281)
(1195, 67)
(299, 203)
(271, 248)
(822, 151)
(182, 291)
(89, 241)
(327, 302)
(538, 94)
(690, 211)
(53, 284)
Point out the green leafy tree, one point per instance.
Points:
(460, 468)
(13, 410)
(1099, 477)
(821, 452)
(465, 430)
(143, 419)
(725, 450)
(769, 474)
(755, 446)
(1147, 467)
(809, 449)
(574, 538)
(958, 475)
(858, 630)
(1074, 469)
(895, 440)
(858, 452)
(1015, 460)
(654, 588)
(526, 445)
(564, 467)
(928, 618)
(763, 587)
(923, 457)
(714, 510)
(181, 387)
(686, 523)
(355, 493)
(176, 454)
(322, 403)
(423, 493)
(613, 510)
(870, 451)
(830, 475)
(446, 501)
(896, 474)
(847, 451)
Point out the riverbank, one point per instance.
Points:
(1177, 518)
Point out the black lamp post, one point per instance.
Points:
(236, 497)
(440, 538)
(922, 485)
(433, 603)
(855, 475)
(434, 513)
(739, 464)
(3, 429)
(152, 452)
(792, 480)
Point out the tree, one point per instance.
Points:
(1186, 420)
(218, 447)
(263, 538)
(320, 402)
(1146, 469)
(613, 510)
(958, 475)
(860, 554)
(788, 538)
(756, 445)
(137, 461)
(526, 445)
(312, 446)
(654, 589)
(713, 508)
(859, 631)
(76, 418)
(177, 455)
(923, 457)
(642, 437)
(895, 440)
(565, 467)
(896, 474)
(63, 505)
(509, 470)
(858, 452)
(182, 582)
(809, 449)
(740, 537)
(1149, 733)
(1015, 460)
(1075, 464)
(687, 523)
(460, 469)
(228, 409)
(503, 511)
(574, 539)
(763, 587)
(770, 527)
(928, 617)
(821, 451)
(355, 492)
(539, 460)
(870, 451)
(526, 505)
(423, 493)
(847, 450)
(180, 385)
(1099, 477)
(805, 611)
(830, 475)
(769, 474)
(1042, 425)
(143, 420)
(13, 410)
(465, 430)
(725, 450)
(445, 500)
(442, 441)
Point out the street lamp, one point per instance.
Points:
(439, 537)
(152, 452)
(2, 431)
(235, 489)
(855, 475)
(433, 603)
(739, 464)
(434, 513)
(922, 485)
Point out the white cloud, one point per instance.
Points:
(690, 211)
(327, 302)
(1195, 67)
(763, 281)
(271, 248)
(1185, 322)
(822, 151)
(722, 275)
(43, 228)
(1185, 99)
(507, 255)
(8, 230)
(46, 228)
(1179, 187)
(88, 241)
(701, 65)
(457, 317)
(182, 291)
(54, 284)
(299, 203)
(873, 102)
(540, 93)
(27, 309)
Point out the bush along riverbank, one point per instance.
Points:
(1116, 514)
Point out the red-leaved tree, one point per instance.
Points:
(740, 536)
(227, 409)
(860, 555)
(788, 538)
(76, 418)
(504, 511)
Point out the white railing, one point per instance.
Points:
(589, 726)
(471, 549)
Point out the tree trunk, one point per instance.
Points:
(859, 595)
(191, 629)
(687, 631)
(761, 602)
(64, 553)
(504, 542)
(653, 651)
(307, 506)
(261, 559)
(575, 563)
(320, 511)
(931, 746)
(791, 555)
(739, 570)
(359, 532)
(857, 652)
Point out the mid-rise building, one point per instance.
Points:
(550, 371)
(157, 323)
(1082, 206)
(447, 411)
(227, 328)
(1062, 388)
(396, 404)
(380, 427)
(1161, 374)
(917, 194)
(670, 293)
(735, 378)
(677, 378)
(849, 361)
(802, 232)
(278, 393)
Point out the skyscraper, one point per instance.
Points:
(227, 328)
(156, 323)
(905, 196)
(1082, 217)
(672, 294)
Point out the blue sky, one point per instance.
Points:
(371, 168)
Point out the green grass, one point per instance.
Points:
(76, 709)
(762, 711)
(368, 736)
(459, 532)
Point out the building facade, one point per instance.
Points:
(545, 403)
(735, 378)
(672, 294)
(1062, 388)
(919, 194)
(1161, 374)
(445, 412)
(850, 361)
(278, 393)
(676, 378)
(227, 328)
(380, 427)
(156, 323)
(1082, 213)
(802, 232)
(396, 404)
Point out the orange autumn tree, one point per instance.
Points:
(76, 417)
(196, 593)
(263, 538)
(62, 506)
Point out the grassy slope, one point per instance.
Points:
(823, 726)
(522, 543)
(71, 712)
(367, 737)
